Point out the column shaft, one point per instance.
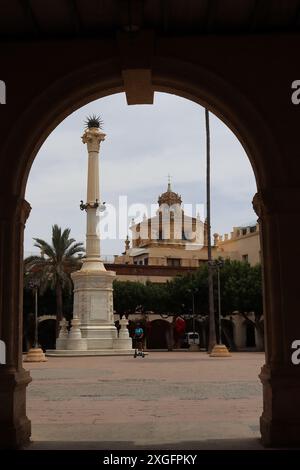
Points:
(15, 427)
(92, 237)
(93, 192)
(279, 214)
(92, 137)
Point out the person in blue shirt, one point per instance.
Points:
(139, 338)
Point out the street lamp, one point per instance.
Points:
(34, 285)
(35, 354)
(193, 292)
(212, 324)
(220, 350)
(217, 265)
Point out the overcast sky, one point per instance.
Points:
(143, 145)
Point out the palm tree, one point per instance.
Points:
(54, 266)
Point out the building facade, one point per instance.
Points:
(242, 244)
(172, 243)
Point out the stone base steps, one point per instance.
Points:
(90, 352)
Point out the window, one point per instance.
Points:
(173, 262)
(244, 231)
(253, 229)
(146, 261)
(245, 258)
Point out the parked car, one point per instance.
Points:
(190, 338)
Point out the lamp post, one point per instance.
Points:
(219, 350)
(212, 325)
(193, 292)
(34, 285)
(218, 264)
(35, 354)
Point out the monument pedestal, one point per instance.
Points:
(93, 331)
(93, 305)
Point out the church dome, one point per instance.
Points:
(169, 197)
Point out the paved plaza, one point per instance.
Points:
(170, 400)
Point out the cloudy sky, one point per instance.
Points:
(143, 145)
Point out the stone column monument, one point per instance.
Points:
(93, 330)
(93, 297)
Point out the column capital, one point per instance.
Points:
(92, 137)
(277, 201)
(12, 206)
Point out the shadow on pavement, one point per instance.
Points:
(210, 444)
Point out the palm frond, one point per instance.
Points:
(33, 258)
(44, 247)
(74, 249)
(54, 269)
(35, 263)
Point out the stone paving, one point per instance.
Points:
(166, 400)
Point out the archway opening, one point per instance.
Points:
(163, 173)
(250, 335)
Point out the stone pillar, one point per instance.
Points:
(278, 210)
(92, 138)
(15, 428)
(61, 342)
(239, 331)
(258, 340)
(124, 341)
(93, 299)
(75, 340)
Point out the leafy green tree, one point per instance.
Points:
(157, 298)
(128, 296)
(53, 267)
(241, 290)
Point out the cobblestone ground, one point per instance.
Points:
(168, 400)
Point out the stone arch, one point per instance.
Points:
(277, 203)
(42, 318)
(47, 332)
(176, 77)
(157, 334)
(250, 335)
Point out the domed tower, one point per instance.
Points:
(169, 197)
(170, 226)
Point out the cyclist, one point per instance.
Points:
(139, 338)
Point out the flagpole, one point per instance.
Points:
(212, 324)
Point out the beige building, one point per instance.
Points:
(242, 244)
(169, 239)
(172, 243)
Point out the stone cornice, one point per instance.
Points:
(277, 201)
(14, 207)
